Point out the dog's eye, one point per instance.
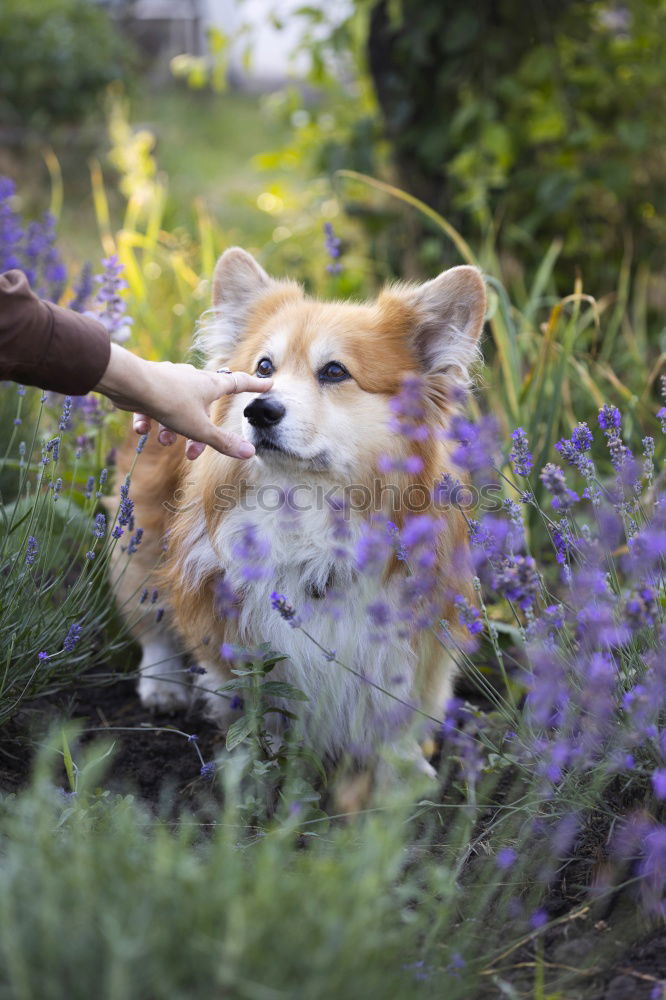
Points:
(333, 372)
(265, 368)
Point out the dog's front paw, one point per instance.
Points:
(403, 761)
(162, 695)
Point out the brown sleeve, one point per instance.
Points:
(44, 345)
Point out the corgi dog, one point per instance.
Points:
(254, 543)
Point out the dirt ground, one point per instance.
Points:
(604, 953)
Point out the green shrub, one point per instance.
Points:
(97, 899)
(520, 122)
(56, 58)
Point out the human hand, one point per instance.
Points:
(178, 397)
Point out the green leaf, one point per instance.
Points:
(239, 731)
(69, 763)
(284, 712)
(280, 689)
(241, 684)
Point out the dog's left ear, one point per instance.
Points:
(450, 310)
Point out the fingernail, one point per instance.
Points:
(246, 450)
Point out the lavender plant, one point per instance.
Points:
(576, 633)
(55, 612)
(55, 545)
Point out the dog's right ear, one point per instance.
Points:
(238, 283)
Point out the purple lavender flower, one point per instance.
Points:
(419, 590)
(53, 448)
(469, 615)
(379, 613)
(31, 550)
(208, 770)
(574, 450)
(659, 783)
(65, 422)
(285, 610)
(373, 547)
(411, 465)
(421, 532)
(661, 414)
(521, 456)
(563, 542)
(548, 688)
(72, 638)
(610, 422)
(82, 290)
(519, 581)
(226, 598)
(126, 507)
(408, 410)
(99, 527)
(553, 479)
(642, 608)
(477, 443)
(236, 704)
(596, 622)
(11, 230)
(609, 418)
(456, 964)
(505, 858)
(448, 492)
(32, 250)
(652, 870)
(42, 263)
(135, 541)
(513, 510)
(43, 657)
(252, 552)
(333, 246)
(109, 304)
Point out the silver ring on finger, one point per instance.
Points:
(228, 371)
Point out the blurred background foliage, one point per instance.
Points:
(537, 132)
(56, 59)
(530, 121)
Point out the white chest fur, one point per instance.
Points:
(304, 555)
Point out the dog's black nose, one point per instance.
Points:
(264, 412)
